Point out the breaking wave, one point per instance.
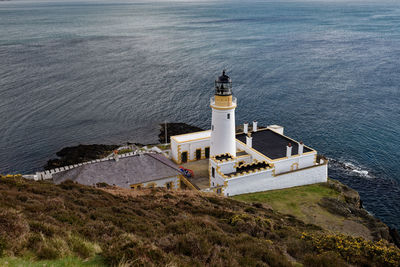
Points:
(350, 168)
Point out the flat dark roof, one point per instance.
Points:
(271, 144)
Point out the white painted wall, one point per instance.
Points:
(163, 182)
(190, 147)
(276, 128)
(174, 150)
(265, 181)
(254, 155)
(299, 162)
(246, 159)
(217, 179)
(227, 166)
(223, 138)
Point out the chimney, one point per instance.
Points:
(245, 127)
(254, 126)
(249, 140)
(289, 150)
(301, 148)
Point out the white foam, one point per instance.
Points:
(351, 167)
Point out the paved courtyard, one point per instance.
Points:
(200, 169)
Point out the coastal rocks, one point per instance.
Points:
(349, 205)
(81, 153)
(78, 154)
(176, 128)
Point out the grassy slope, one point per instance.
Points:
(39, 221)
(64, 262)
(292, 200)
(304, 203)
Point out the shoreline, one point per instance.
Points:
(81, 153)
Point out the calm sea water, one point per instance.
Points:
(106, 72)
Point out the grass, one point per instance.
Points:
(124, 151)
(304, 202)
(75, 225)
(164, 146)
(291, 200)
(63, 262)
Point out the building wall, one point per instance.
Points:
(217, 179)
(160, 183)
(227, 166)
(223, 132)
(264, 181)
(190, 147)
(254, 155)
(174, 150)
(246, 159)
(294, 163)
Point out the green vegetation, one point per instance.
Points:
(124, 151)
(292, 200)
(72, 224)
(164, 146)
(332, 206)
(64, 262)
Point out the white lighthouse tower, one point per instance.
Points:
(223, 117)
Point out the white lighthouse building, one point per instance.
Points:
(247, 161)
(223, 129)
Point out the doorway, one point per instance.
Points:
(184, 157)
(198, 154)
(207, 152)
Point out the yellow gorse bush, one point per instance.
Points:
(352, 248)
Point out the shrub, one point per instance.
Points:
(44, 228)
(3, 246)
(83, 248)
(196, 247)
(328, 259)
(124, 151)
(297, 248)
(355, 249)
(13, 229)
(47, 252)
(158, 228)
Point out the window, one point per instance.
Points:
(212, 127)
(219, 191)
(213, 172)
(151, 185)
(168, 185)
(228, 116)
(136, 186)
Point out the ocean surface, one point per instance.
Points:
(110, 71)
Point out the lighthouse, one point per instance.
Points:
(223, 107)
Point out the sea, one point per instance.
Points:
(84, 72)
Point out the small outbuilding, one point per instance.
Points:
(138, 171)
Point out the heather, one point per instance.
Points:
(153, 227)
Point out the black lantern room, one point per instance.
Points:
(223, 85)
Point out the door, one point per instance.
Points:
(198, 154)
(184, 156)
(207, 152)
